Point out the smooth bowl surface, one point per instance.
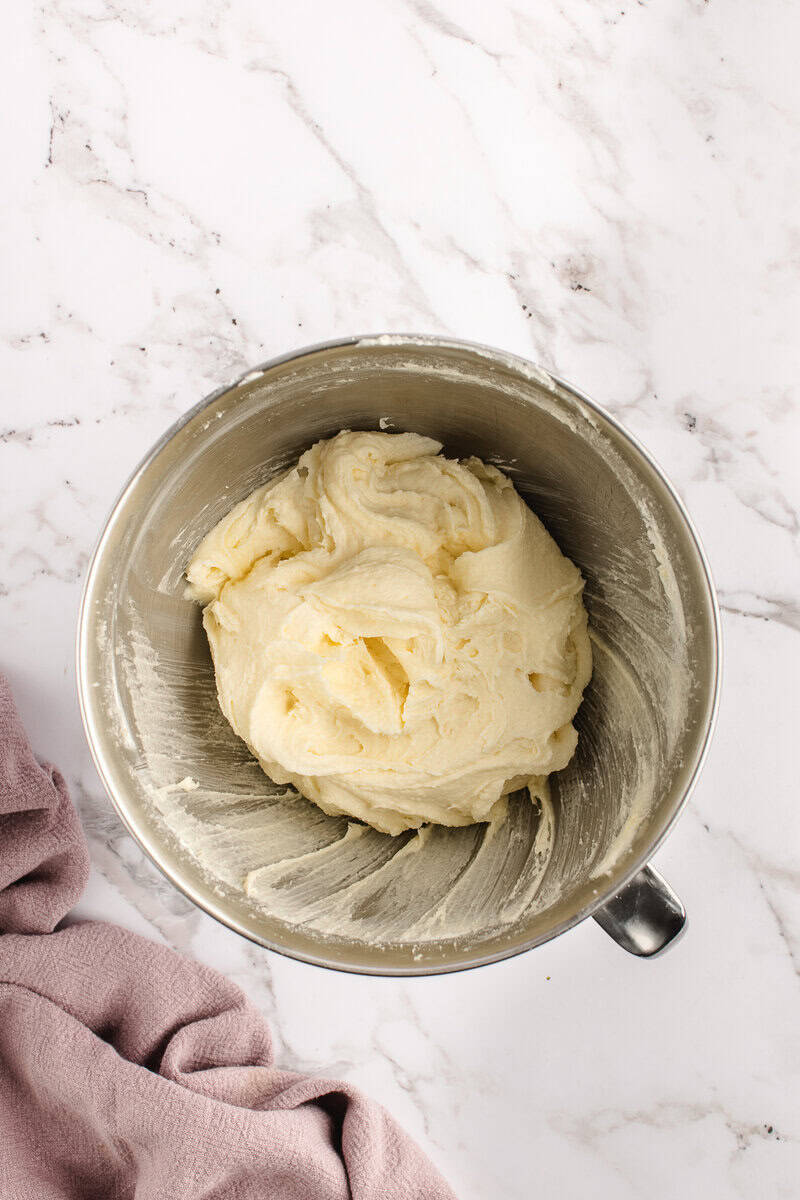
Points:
(271, 865)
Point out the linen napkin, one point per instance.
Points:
(128, 1070)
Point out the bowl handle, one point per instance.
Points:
(645, 916)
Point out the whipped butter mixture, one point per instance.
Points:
(394, 632)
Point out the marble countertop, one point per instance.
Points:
(605, 188)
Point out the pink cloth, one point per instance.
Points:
(127, 1070)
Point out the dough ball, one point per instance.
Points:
(394, 632)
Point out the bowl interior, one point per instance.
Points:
(189, 790)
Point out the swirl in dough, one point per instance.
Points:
(394, 632)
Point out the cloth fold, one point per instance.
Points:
(128, 1070)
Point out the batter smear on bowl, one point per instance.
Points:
(395, 633)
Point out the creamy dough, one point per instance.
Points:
(394, 632)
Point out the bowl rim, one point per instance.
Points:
(523, 367)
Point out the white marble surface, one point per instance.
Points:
(608, 188)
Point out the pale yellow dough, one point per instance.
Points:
(394, 632)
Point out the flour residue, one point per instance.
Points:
(335, 877)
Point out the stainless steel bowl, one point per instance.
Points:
(467, 896)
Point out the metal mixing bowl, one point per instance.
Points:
(467, 896)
